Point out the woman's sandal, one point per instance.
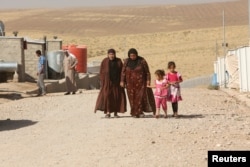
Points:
(142, 116)
(157, 116)
(107, 116)
(165, 116)
(116, 116)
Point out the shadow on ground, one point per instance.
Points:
(192, 116)
(6, 125)
(14, 95)
(11, 96)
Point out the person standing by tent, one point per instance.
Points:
(41, 73)
(69, 63)
(136, 77)
(112, 98)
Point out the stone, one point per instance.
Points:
(218, 145)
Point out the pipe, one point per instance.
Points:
(8, 66)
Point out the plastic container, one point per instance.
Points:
(81, 54)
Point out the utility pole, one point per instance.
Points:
(249, 20)
(125, 46)
(216, 50)
(224, 48)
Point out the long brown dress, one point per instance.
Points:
(112, 96)
(135, 78)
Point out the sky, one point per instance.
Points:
(20, 4)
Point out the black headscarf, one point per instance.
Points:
(132, 64)
(112, 51)
(113, 68)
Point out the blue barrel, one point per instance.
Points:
(214, 80)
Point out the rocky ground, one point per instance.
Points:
(57, 130)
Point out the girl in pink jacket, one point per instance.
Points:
(161, 92)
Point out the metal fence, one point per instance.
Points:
(192, 83)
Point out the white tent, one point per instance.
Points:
(234, 69)
(219, 69)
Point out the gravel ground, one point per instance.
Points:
(57, 130)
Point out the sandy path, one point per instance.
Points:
(43, 131)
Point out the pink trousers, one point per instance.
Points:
(161, 102)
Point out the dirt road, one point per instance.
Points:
(58, 130)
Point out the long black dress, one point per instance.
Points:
(112, 96)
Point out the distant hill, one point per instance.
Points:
(186, 34)
(125, 20)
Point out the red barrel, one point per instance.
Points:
(81, 54)
(66, 47)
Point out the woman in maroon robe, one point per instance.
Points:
(136, 77)
(112, 98)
